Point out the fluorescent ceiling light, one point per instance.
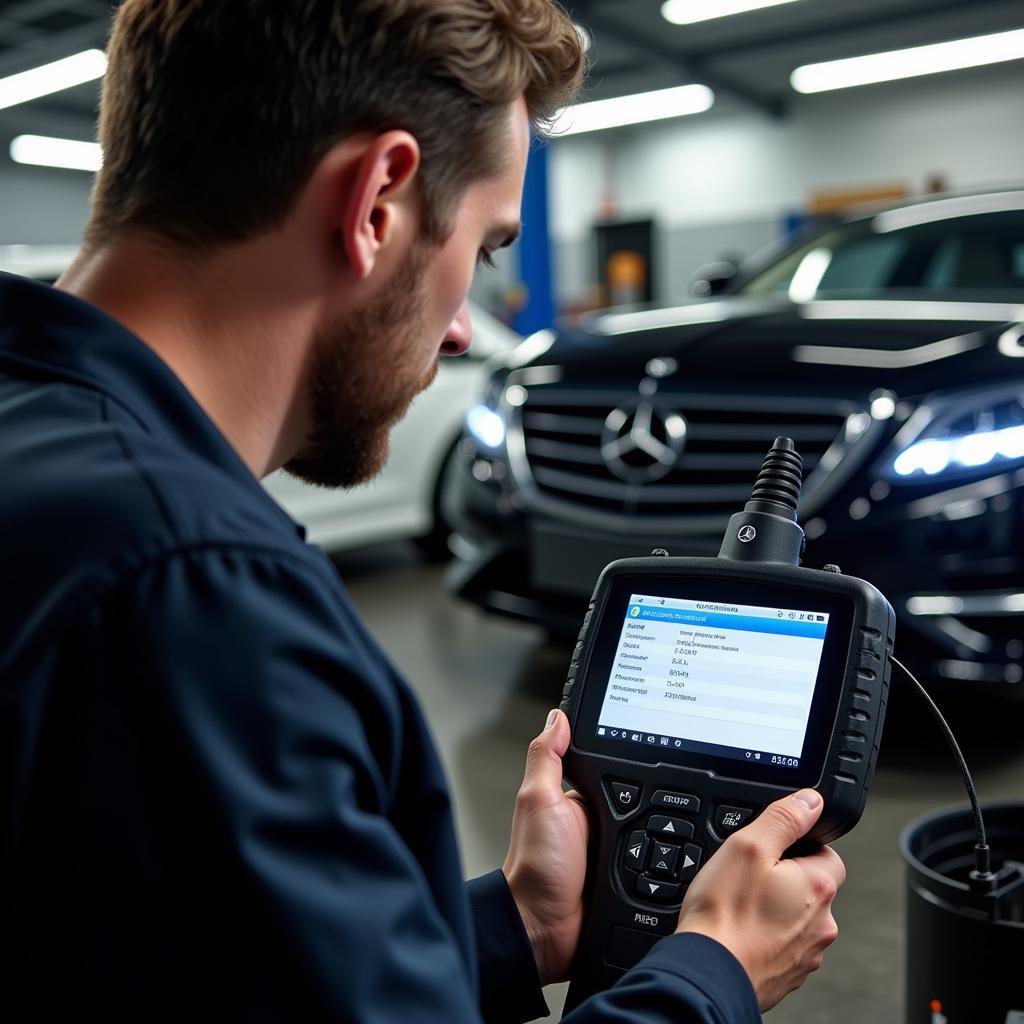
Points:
(42, 151)
(635, 109)
(50, 78)
(687, 12)
(909, 63)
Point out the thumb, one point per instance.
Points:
(544, 758)
(785, 821)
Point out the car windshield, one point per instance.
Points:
(892, 254)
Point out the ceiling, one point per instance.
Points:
(746, 58)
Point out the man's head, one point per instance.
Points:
(219, 118)
(215, 114)
(369, 362)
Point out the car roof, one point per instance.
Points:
(942, 205)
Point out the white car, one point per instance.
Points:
(404, 500)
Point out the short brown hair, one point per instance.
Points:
(215, 112)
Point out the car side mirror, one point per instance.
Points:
(713, 278)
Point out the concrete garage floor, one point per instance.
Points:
(487, 684)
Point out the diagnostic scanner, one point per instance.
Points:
(703, 689)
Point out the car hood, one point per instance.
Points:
(910, 346)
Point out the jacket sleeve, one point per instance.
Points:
(510, 989)
(236, 751)
(236, 761)
(684, 979)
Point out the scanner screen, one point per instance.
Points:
(730, 680)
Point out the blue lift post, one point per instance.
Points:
(535, 269)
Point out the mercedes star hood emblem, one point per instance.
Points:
(642, 444)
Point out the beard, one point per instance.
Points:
(361, 385)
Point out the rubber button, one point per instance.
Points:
(690, 862)
(664, 857)
(670, 827)
(635, 852)
(729, 819)
(625, 796)
(685, 802)
(627, 947)
(657, 889)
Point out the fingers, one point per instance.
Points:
(543, 778)
(826, 861)
(784, 822)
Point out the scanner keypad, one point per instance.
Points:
(657, 861)
(666, 847)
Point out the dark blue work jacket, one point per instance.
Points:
(218, 800)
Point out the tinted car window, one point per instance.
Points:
(976, 254)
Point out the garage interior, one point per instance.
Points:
(723, 185)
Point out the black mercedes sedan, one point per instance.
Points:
(890, 347)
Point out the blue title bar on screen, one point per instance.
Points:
(713, 620)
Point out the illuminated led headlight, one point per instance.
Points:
(486, 427)
(964, 434)
(938, 455)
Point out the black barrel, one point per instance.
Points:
(965, 947)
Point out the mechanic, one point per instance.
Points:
(220, 801)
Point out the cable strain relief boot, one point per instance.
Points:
(777, 488)
(767, 529)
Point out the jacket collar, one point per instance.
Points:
(56, 335)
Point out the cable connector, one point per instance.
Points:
(983, 878)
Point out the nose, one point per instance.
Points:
(459, 334)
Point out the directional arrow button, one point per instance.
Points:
(662, 824)
(635, 853)
(658, 889)
(664, 859)
(692, 856)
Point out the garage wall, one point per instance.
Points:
(724, 182)
(718, 184)
(39, 205)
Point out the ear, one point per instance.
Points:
(381, 182)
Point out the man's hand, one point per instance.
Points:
(547, 856)
(774, 916)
